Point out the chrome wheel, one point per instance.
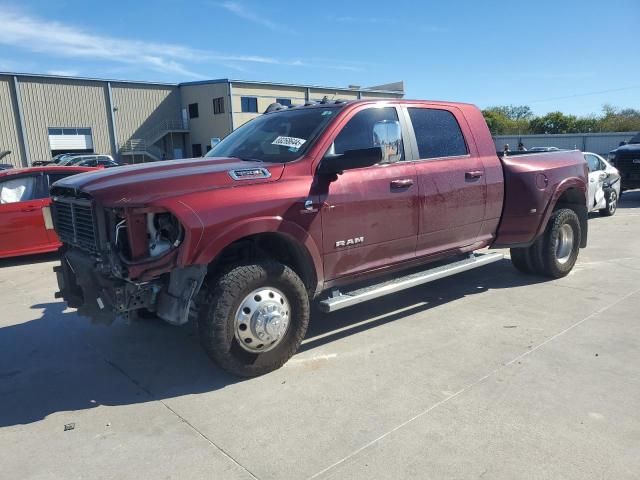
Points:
(613, 203)
(262, 320)
(564, 247)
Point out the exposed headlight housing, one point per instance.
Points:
(165, 233)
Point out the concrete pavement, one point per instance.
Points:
(490, 374)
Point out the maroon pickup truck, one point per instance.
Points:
(333, 202)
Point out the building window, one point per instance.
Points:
(249, 104)
(218, 105)
(193, 110)
(284, 101)
(196, 150)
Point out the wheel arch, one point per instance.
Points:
(280, 240)
(571, 193)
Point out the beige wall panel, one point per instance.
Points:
(296, 94)
(207, 125)
(9, 124)
(319, 93)
(381, 95)
(143, 108)
(63, 103)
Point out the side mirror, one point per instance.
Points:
(336, 163)
(387, 134)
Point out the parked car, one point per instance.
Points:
(626, 158)
(543, 149)
(604, 185)
(25, 219)
(316, 202)
(105, 161)
(54, 161)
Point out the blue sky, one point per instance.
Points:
(572, 56)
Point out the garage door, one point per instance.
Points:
(70, 139)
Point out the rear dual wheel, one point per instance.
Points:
(555, 252)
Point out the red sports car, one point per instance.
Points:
(25, 218)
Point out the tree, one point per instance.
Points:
(554, 123)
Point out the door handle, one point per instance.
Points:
(404, 183)
(473, 174)
(30, 208)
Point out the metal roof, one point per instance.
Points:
(200, 82)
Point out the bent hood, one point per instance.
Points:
(145, 183)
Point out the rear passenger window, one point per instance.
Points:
(437, 133)
(358, 133)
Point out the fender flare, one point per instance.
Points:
(254, 226)
(566, 184)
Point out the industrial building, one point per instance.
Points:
(43, 115)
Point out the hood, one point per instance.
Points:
(144, 183)
(630, 147)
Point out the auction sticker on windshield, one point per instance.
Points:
(289, 142)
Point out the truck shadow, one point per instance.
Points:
(60, 362)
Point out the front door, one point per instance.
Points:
(451, 181)
(369, 215)
(22, 228)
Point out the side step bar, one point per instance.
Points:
(343, 300)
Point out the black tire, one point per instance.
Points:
(552, 265)
(536, 255)
(612, 204)
(521, 259)
(217, 310)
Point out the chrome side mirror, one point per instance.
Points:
(387, 135)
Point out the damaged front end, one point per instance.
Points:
(116, 262)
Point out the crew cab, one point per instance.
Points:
(332, 202)
(626, 158)
(25, 219)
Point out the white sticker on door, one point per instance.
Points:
(289, 142)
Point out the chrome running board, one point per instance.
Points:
(342, 300)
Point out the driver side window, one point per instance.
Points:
(359, 133)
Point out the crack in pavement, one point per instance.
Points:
(120, 370)
(472, 385)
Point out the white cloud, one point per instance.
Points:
(64, 73)
(246, 13)
(26, 32)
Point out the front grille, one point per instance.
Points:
(629, 161)
(75, 222)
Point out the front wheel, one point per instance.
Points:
(611, 206)
(253, 318)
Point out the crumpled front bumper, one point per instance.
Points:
(88, 285)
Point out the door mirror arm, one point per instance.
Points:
(337, 163)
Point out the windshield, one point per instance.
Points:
(277, 137)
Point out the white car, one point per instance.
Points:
(604, 185)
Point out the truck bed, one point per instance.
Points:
(531, 183)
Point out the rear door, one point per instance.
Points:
(22, 228)
(451, 180)
(369, 215)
